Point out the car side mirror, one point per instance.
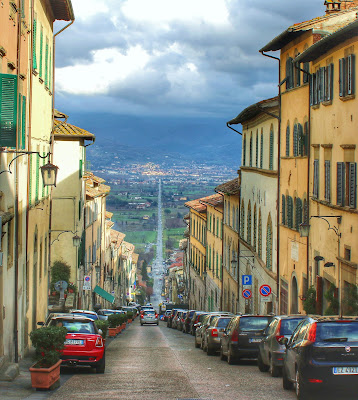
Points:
(41, 323)
(100, 331)
(283, 341)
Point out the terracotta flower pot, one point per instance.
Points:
(44, 378)
(119, 329)
(112, 332)
(129, 321)
(70, 290)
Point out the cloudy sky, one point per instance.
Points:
(169, 59)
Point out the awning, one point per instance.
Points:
(101, 292)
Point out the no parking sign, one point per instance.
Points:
(265, 290)
(246, 293)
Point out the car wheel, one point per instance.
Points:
(209, 350)
(197, 345)
(286, 383)
(301, 390)
(262, 367)
(222, 355)
(274, 370)
(230, 359)
(157, 323)
(101, 366)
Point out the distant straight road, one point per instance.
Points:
(157, 363)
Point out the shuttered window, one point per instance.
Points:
(257, 149)
(289, 211)
(305, 211)
(259, 234)
(250, 150)
(287, 141)
(262, 150)
(34, 44)
(305, 139)
(315, 178)
(41, 51)
(271, 150)
(306, 67)
(46, 63)
(341, 183)
(329, 83)
(327, 180)
(80, 170)
(347, 75)
(283, 210)
(289, 73)
(295, 140)
(350, 73)
(352, 180)
(242, 230)
(249, 224)
(8, 110)
(301, 139)
(269, 246)
(255, 228)
(299, 219)
(298, 74)
(23, 123)
(244, 152)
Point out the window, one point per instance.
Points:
(255, 228)
(316, 178)
(283, 210)
(295, 140)
(298, 73)
(327, 180)
(41, 50)
(269, 244)
(34, 30)
(306, 67)
(322, 85)
(298, 213)
(249, 224)
(242, 220)
(289, 73)
(289, 211)
(257, 149)
(262, 149)
(8, 110)
(251, 150)
(288, 141)
(244, 152)
(259, 229)
(346, 75)
(300, 140)
(271, 150)
(305, 139)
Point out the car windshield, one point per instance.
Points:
(201, 317)
(289, 325)
(338, 331)
(253, 323)
(91, 316)
(75, 326)
(149, 312)
(223, 322)
(191, 313)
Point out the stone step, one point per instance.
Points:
(9, 371)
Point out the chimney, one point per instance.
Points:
(346, 4)
(334, 6)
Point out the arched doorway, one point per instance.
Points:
(294, 296)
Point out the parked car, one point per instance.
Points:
(145, 308)
(194, 321)
(149, 317)
(170, 317)
(271, 351)
(130, 309)
(242, 337)
(205, 325)
(214, 333)
(86, 313)
(166, 315)
(84, 345)
(50, 316)
(202, 318)
(186, 324)
(321, 353)
(180, 320)
(176, 318)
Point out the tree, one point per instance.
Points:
(331, 296)
(167, 211)
(309, 304)
(145, 276)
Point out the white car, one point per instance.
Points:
(149, 317)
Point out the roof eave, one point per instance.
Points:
(253, 110)
(62, 10)
(281, 40)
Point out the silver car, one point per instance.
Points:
(213, 334)
(149, 317)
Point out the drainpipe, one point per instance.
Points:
(278, 181)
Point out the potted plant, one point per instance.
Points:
(130, 316)
(103, 325)
(118, 322)
(72, 288)
(112, 329)
(124, 321)
(48, 342)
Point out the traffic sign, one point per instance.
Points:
(265, 290)
(246, 293)
(246, 280)
(87, 283)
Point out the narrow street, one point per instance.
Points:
(158, 363)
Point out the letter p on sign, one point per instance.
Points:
(246, 280)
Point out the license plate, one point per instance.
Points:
(345, 370)
(74, 341)
(255, 340)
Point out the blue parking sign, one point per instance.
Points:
(246, 280)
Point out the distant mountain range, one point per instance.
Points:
(159, 139)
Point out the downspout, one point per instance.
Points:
(278, 182)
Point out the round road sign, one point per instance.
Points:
(265, 290)
(246, 293)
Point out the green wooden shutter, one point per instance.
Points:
(262, 150)
(50, 71)
(283, 210)
(250, 150)
(271, 150)
(244, 152)
(23, 126)
(34, 47)
(46, 64)
(269, 247)
(255, 229)
(43, 163)
(342, 77)
(8, 110)
(352, 185)
(350, 73)
(295, 140)
(300, 139)
(287, 141)
(249, 225)
(290, 212)
(41, 50)
(30, 181)
(298, 213)
(19, 116)
(257, 150)
(80, 169)
(340, 183)
(259, 250)
(327, 180)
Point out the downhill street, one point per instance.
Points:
(158, 363)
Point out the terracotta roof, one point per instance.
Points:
(196, 205)
(100, 190)
(62, 10)
(231, 187)
(109, 215)
(109, 224)
(254, 110)
(62, 129)
(117, 237)
(325, 24)
(214, 200)
(135, 257)
(59, 114)
(127, 249)
(328, 42)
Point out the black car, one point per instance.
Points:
(242, 337)
(271, 351)
(322, 353)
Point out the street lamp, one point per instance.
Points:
(76, 240)
(49, 174)
(304, 228)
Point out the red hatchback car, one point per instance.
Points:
(84, 345)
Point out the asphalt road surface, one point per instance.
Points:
(158, 363)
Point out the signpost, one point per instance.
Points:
(246, 293)
(246, 280)
(265, 290)
(87, 283)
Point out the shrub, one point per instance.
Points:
(330, 296)
(48, 342)
(60, 271)
(103, 325)
(309, 304)
(112, 320)
(129, 315)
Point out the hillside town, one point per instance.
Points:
(276, 239)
